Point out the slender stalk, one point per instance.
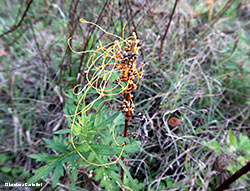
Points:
(166, 31)
(125, 132)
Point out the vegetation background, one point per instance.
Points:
(201, 76)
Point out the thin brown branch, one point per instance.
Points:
(15, 26)
(166, 31)
(234, 177)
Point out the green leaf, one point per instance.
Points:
(74, 167)
(5, 169)
(134, 147)
(243, 144)
(241, 160)
(115, 176)
(104, 182)
(135, 188)
(105, 149)
(3, 158)
(58, 172)
(74, 174)
(41, 172)
(108, 120)
(169, 182)
(43, 157)
(119, 120)
(99, 173)
(231, 137)
(91, 156)
(77, 129)
(56, 144)
(215, 146)
(83, 148)
(113, 77)
(17, 171)
(62, 131)
(98, 118)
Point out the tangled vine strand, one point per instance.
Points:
(111, 71)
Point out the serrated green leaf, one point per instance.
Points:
(74, 167)
(104, 182)
(74, 174)
(91, 167)
(105, 149)
(56, 144)
(43, 157)
(58, 172)
(107, 140)
(41, 172)
(107, 121)
(62, 131)
(99, 173)
(114, 175)
(132, 148)
(98, 118)
(77, 129)
(83, 148)
(91, 156)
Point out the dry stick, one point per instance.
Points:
(165, 34)
(14, 27)
(234, 177)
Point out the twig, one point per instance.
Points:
(234, 177)
(14, 27)
(166, 32)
